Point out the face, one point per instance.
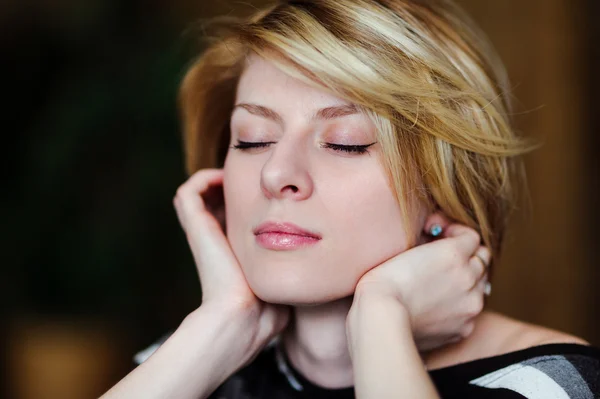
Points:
(304, 175)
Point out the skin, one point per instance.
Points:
(300, 182)
(348, 316)
(295, 179)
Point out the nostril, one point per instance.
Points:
(293, 188)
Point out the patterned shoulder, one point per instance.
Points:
(560, 376)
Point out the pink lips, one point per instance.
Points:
(284, 236)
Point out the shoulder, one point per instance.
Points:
(544, 371)
(494, 335)
(525, 360)
(525, 335)
(548, 364)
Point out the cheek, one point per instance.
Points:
(239, 188)
(359, 218)
(368, 223)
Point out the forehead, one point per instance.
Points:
(262, 81)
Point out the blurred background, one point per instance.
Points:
(95, 267)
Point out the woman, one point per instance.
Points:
(365, 159)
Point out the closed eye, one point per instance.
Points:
(358, 149)
(244, 145)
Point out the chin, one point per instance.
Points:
(296, 289)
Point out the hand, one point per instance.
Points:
(199, 204)
(440, 284)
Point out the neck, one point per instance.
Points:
(316, 345)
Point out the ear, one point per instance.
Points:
(435, 218)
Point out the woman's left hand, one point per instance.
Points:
(439, 284)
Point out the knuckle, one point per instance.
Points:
(462, 278)
(475, 306)
(485, 253)
(455, 338)
(473, 235)
(468, 280)
(181, 191)
(477, 266)
(454, 229)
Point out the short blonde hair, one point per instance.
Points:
(423, 72)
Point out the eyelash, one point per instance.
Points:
(356, 149)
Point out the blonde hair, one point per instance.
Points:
(422, 71)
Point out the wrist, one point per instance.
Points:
(208, 346)
(381, 344)
(233, 315)
(370, 304)
(369, 293)
(233, 330)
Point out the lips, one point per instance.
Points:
(285, 228)
(282, 236)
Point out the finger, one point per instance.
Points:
(204, 233)
(483, 287)
(478, 265)
(208, 185)
(479, 262)
(484, 254)
(467, 240)
(477, 268)
(192, 211)
(197, 185)
(468, 329)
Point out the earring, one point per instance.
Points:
(435, 230)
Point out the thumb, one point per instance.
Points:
(466, 238)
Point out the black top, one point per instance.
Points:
(553, 371)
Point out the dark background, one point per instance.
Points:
(94, 266)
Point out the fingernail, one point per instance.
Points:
(487, 289)
(435, 230)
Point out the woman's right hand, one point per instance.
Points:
(230, 327)
(199, 205)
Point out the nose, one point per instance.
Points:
(285, 173)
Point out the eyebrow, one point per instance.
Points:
(327, 113)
